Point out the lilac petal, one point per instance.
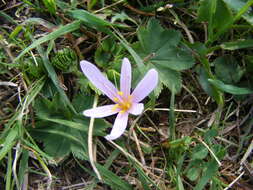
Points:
(136, 109)
(98, 79)
(125, 77)
(145, 86)
(102, 111)
(119, 126)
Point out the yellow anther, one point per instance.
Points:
(115, 107)
(120, 93)
(116, 99)
(122, 111)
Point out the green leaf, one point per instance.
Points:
(122, 17)
(199, 152)
(170, 78)
(248, 43)
(146, 181)
(51, 36)
(50, 5)
(230, 88)
(56, 139)
(160, 46)
(193, 173)
(207, 87)
(114, 181)
(92, 21)
(238, 6)
(180, 185)
(212, 11)
(160, 49)
(227, 69)
(211, 169)
(9, 142)
(23, 166)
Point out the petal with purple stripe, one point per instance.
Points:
(102, 111)
(119, 126)
(125, 77)
(145, 86)
(136, 109)
(98, 79)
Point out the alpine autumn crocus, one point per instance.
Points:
(125, 102)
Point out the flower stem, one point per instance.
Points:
(90, 147)
(172, 132)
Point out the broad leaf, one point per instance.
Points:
(62, 131)
(212, 11)
(227, 69)
(230, 88)
(211, 169)
(160, 46)
(160, 49)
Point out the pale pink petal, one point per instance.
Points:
(145, 86)
(98, 79)
(125, 77)
(136, 109)
(102, 111)
(119, 126)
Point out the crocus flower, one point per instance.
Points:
(125, 102)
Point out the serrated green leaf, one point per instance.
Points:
(230, 88)
(170, 78)
(160, 46)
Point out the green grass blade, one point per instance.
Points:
(51, 36)
(9, 142)
(230, 88)
(237, 45)
(8, 174)
(112, 179)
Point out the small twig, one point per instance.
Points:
(14, 166)
(126, 153)
(234, 181)
(109, 6)
(194, 97)
(138, 11)
(90, 146)
(247, 153)
(176, 110)
(212, 153)
(45, 168)
(139, 148)
(188, 33)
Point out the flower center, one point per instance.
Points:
(123, 103)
